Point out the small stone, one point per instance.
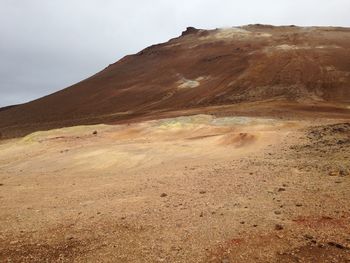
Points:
(94, 132)
(308, 237)
(281, 189)
(340, 142)
(278, 212)
(333, 173)
(255, 225)
(202, 192)
(333, 244)
(201, 214)
(343, 171)
(163, 195)
(298, 205)
(173, 248)
(278, 227)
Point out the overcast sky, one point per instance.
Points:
(47, 45)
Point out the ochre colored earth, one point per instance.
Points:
(228, 145)
(187, 189)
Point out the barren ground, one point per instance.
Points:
(187, 189)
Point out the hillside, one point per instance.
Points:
(221, 146)
(252, 70)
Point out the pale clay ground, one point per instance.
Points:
(189, 189)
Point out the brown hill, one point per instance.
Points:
(249, 70)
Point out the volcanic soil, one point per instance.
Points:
(224, 145)
(198, 188)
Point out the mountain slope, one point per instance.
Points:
(250, 65)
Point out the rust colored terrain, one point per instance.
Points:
(253, 70)
(219, 146)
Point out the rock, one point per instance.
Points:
(278, 212)
(176, 248)
(163, 195)
(190, 30)
(278, 227)
(333, 244)
(69, 237)
(281, 189)
(298, 205)
(202, 192)
(201, 214)
(94, 133)
(309, 237)
(333, 173)
(341, 142)
(343, 171)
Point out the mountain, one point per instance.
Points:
(248, 70)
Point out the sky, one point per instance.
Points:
(47, 45)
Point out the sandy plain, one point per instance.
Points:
(189, 189)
